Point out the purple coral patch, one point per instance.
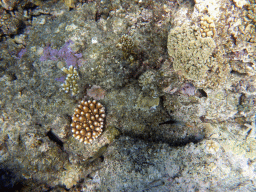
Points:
(49, 54)
(21, 53)
(65, 53)
(79, 55)
(70, 59)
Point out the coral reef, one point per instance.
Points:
(88, 121)
(180, 101)
(9, 24)
(149, 82)
(15, 16)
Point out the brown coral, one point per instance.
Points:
(127, 46)
(88, 121)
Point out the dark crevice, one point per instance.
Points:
(238, 73)
(233, 38)
(89, 177)
(11, 76)
(101, 158)
(97, 15)
(9, 180)
(171, 121)
(54, 138)
(242, 99)
(201, 93)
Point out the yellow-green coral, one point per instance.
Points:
(192, 54)
(70, 84)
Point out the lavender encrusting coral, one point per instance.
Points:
(66, 53)
(21, 53)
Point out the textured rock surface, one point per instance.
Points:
(183, 121)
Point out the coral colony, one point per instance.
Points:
(70, 84)
(72, 60)
(88, 121)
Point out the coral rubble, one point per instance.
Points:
(251, 13)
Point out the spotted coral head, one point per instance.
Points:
(88, 121)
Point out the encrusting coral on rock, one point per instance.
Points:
(192, 54)
(88, 121)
